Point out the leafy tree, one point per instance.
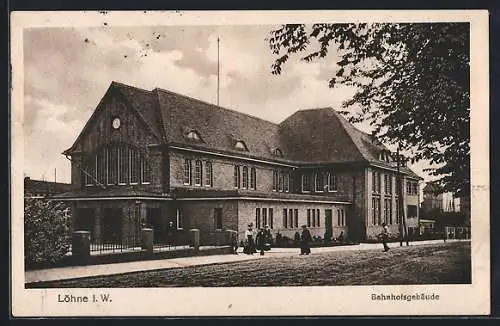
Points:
(46, 236)
(411, 81)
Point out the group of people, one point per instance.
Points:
(263, 240)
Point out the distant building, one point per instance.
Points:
(433, 198)
(168, 159)
(43, 189)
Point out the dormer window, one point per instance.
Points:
(240, 145)
(278, 152)
(193, 135)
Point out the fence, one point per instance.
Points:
(457, 232)
(123, 244)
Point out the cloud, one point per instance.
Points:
(68, 70)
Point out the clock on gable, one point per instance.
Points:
(116, 123)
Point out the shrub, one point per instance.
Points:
(46, 236)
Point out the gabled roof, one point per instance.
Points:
(314, 136)
(219, 128)
(318, 135)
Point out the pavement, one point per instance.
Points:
(73, 272)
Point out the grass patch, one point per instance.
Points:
(446, 263)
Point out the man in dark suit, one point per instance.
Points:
(305, 239)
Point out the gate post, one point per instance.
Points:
(195, 239)
(147, 240)
(80, 247)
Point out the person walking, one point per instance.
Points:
(384, 236)
(268, 238)
(260, 240)
(305, 239)
(249, 247)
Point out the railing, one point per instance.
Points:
(457, 232)
(100, 245)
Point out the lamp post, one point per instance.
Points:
(399, 203)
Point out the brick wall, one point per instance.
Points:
(223, 171)
(247, 214)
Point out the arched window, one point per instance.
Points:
(278, 152)
(208, 174)
(240, 145)
(245, 177)
(319, 182)
(253, 178)
(236, 176)
(197, 173)
(306, 183)
(193, 135)
(116, 164)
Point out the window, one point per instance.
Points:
(317, 218)
(290, 217)
(218, 218)
(340, 217)
(376, 211)
(264, 216)
(296, 218)
(319, 182)
(412, 211)
(257, 217)
(306, 183)
(123, 158)
(286, 185)
(388, 183)
(332, 182)
(197, 172)
(278, 152)
(145, 172)
(313, 217)
(253, 178)
(271, 218)
(178, 219)
(208, 174)
(389, 209)
(376, 182)
(386, 211)
(187, 172)
(275, 180)
(281, 178)
(135, 165)
(236, 176)
(245, 177)
(240, 145)
(116, 164)
(113, 166)
(101, 167)
(285, 218)
(308, 217)
(193, 135)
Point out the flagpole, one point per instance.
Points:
(218, 71)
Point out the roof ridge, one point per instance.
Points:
(214, 105)
(130, 86)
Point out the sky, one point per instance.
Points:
(68, 70)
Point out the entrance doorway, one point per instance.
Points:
(328, 224)
(111, 225)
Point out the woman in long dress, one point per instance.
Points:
(249, 247)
